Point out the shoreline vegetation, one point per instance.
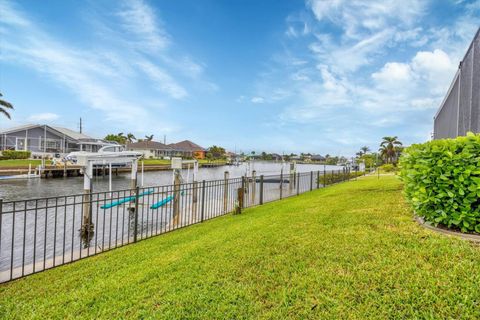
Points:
(351, 250)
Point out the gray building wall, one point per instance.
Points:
(35, 140)
(460, 110)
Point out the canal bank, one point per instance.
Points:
(51, 171)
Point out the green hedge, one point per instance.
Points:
(442, 181)
(388, 168)
(335, 177)
(14, 154)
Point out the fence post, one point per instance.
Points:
(281, 184)
(194, 202)
(298, 183)
(291, 181)
(240, 197)
(242, 204)
(311, 180)
(225, 191)
(135, 231)
(176, 199)
(254, 186)
(318, 179)
(261, 189)
(324, 178)
(203, 201)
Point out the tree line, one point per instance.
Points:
(389, 152)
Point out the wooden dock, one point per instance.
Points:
(75, 171)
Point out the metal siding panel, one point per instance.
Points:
(465, 94)
(475, 122)
(445, 125)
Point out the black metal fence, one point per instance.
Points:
(39, 234)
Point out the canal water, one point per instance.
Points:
(11, 190)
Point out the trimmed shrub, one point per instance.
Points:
(388, 167)
(442, 181)
(14, 154)
(335, 177)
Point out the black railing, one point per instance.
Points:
(38, 234)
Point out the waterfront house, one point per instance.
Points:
(46, 140)
(151, 149)
(187, 149)
(318, 158)
(276, 157)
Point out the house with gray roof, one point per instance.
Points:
(48, 140)
(151, 149)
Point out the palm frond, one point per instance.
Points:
(6, 104)
(5, 113)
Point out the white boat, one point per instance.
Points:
(20, 176)
(106, 152)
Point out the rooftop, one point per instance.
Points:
(148, 145)
(186, 145)
(70, 133)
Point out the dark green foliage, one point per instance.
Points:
(14, 154)
(442, 181)
(216, 152)
(335, 177)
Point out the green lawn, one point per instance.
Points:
(155, 161)
(19, 163)
(347, 251)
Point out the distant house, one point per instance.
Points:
(231, 156)
(318, 158)
(187, 149)
(48, 140)
(151, 149)
(276, 157)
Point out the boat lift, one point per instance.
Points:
(177, 179)
(88, 160)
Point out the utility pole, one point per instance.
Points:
(80, 126)
(164, 139)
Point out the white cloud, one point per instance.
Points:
(358, 16)
(106, 78)
(257, 100)
(162, 80)
(43, 117)
(393, 73)
(139, 19)
(435, 68)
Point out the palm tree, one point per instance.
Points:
(131, 137)
(149, 138)
(389, 149)
(365, 149)
(5, 105)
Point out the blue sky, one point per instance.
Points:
(280, 76)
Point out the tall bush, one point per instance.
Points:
(15, 154)
(442, 181)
